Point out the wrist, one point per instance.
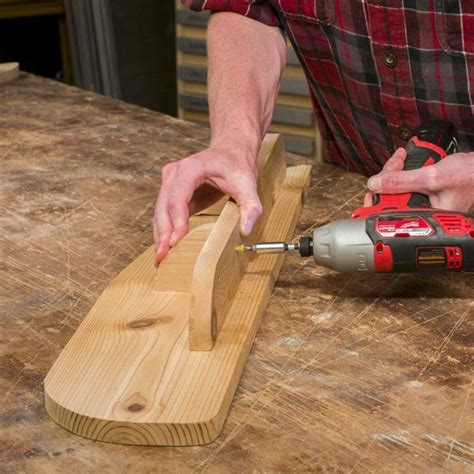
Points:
(239, 136)
(237, 153)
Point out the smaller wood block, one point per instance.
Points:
(9, 71)
(128, 376)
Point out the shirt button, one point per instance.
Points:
(405, 133)
(390, 59)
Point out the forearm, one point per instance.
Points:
(246, 59)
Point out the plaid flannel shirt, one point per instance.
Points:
(376, 69)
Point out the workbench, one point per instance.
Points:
(347, 373)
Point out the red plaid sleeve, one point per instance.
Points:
(259, 10)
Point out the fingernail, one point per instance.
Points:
(173, 239)
(156, 262)
(374, 183)
(246, 227)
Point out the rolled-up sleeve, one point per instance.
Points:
(259, 10)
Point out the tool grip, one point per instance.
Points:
(421, 154)
(429, 145)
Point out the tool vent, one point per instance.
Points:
(454, 224)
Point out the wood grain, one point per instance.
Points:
(176, 271)
(219, 268)
(9, 71)
(128, 376)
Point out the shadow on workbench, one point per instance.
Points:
(365, 285)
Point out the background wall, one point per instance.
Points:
(144, 37)
(125, 50)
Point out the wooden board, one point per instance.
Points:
(9, 71)
(128, 376)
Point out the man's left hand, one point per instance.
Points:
(449, 184)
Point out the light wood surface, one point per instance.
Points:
(176, 271)
(215, 279)
(128, 376)
(219, 268)
(9, 71)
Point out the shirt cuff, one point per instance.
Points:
(259, 10)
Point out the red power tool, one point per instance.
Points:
(399, 232)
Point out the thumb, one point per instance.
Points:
(414, 181)
(249, 205)
(250, 211)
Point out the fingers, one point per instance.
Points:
(162, 223)
(368, 199)
(240, 185)
(162, 228)
(396, 161)
(179, 214)
(423, 180)
(179, 197)
(172, 212)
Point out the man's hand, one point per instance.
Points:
(449, 184)
(226, 170)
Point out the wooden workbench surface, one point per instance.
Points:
(348, 372)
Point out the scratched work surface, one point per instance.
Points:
(348, 373)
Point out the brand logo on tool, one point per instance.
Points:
(410, 224)
(402, 226)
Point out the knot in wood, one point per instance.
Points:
(136, 407)
(144, 323)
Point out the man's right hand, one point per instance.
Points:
(189, 185)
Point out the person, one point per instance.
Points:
(375, 72)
